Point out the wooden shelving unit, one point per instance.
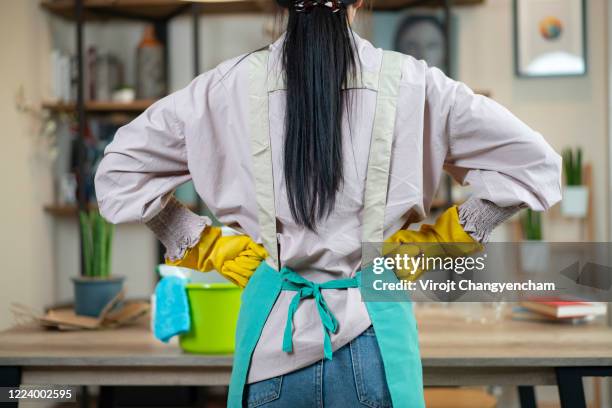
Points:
(166, 9)
(100, 106)
(156, 12)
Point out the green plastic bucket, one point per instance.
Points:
(214, 313)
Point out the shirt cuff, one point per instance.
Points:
(479, 217)
(178, 228)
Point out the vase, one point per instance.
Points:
(575, 201)
(150, 75)
(535, 256)
(91, 295)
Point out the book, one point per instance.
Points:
(562, 308)
(522, 314)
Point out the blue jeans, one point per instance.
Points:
(353, 378)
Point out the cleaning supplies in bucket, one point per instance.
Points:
(202, 308)
(171, 308)
(214, 314)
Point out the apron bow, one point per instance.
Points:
(308, 289)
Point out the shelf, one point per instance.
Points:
(100, 106)
(165, 9)
(146, 9)
(57, 210)
(403, 4)
(62, 210)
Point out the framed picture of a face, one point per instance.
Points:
(550, 38)
(422, 36)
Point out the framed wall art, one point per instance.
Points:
(419, 33)
(550, 38)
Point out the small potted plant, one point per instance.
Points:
(96, 287)
(535, 253)
(575, 194)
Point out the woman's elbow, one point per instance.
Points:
(549, 176)
(102, 184)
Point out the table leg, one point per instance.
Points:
(527, 396)
(569, 381)
(571, 389)
(10, 377)
(84, 397)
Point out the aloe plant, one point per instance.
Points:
(532, 225)
(572, 164)
(97, 238)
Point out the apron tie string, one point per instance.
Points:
(308, 289)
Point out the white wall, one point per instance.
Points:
(609, 41)
(26, 241)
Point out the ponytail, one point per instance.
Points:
(318, 59)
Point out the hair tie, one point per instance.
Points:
(304, 6)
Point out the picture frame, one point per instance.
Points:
(423, 36)
(390, 31)
(550, 38)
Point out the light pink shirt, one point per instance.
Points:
(202, 133)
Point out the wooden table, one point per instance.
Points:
(454, 352)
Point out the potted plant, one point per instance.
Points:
(535, 253)
(575, 194)
(96, 287)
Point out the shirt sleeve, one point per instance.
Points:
(500, 157)
(143, 164)
(148, 159)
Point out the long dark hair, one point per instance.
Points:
(318, 58)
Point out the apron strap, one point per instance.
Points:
(377, 179)
(262, 152)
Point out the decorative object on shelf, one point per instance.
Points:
(63, 76)
(109, 76)
(534, 253)
(150, 75)
(90, 74)
(575, 194)
(549, 38)
(96, 288)
(66, 189)
(124, 94)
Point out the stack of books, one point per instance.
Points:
(559, 310)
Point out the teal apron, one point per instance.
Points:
(394, 322)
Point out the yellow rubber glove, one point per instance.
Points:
(446, 238)
(237, 257)
(234, 257)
